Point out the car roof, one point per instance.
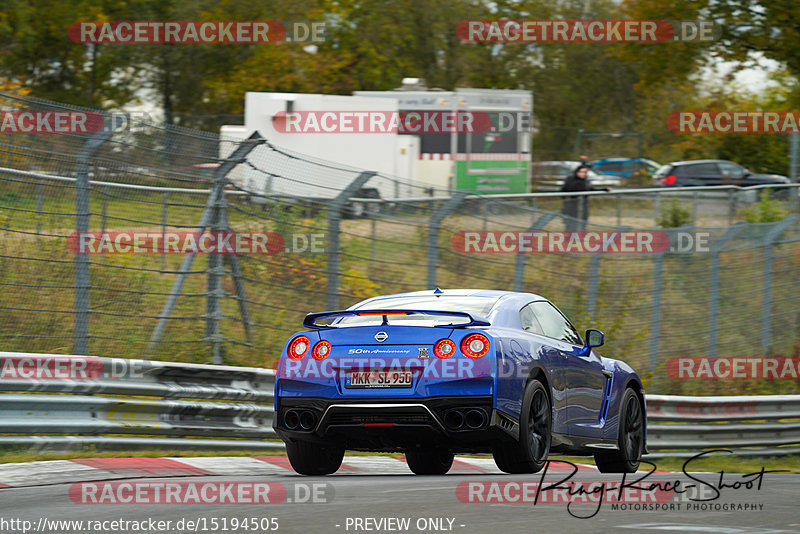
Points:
(692, 161)
(485, 293)
(615, 160)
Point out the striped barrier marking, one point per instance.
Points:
(156, 467)
(90, 469)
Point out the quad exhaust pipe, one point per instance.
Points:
(469, 419)
(475, 419)
(300, 419)
(454, 420)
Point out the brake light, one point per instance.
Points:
(669, 180)
(298, 347)
(444, 348)
(321, 350)
(475, 345)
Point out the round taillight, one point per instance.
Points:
(299, 347)
(669, 180)
(444, 348)
(321, 350)
(475, 345)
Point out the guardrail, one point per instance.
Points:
(617, 192)
(759, 425)
(52, 401)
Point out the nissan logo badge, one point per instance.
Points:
(380, 337)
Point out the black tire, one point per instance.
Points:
(631, 439)
(529, 454)
(313, 459)
(429, 462)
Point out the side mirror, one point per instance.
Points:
(594, 338)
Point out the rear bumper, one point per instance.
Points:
(458, 423)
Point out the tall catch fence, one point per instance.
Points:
(332, 243)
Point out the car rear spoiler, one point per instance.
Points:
(311, 319)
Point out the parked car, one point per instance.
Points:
(625, 167)
(708, 172)
(550, 175)
(433, 373)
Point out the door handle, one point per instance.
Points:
(608, 374)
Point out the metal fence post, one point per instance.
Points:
(731, 206)
(713, 297)
(434, 224)
(89, 149)
(519, 267)
(216, 270)
(766, 299)
(238, 156)
(335, 209)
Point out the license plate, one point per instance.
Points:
(378, 379)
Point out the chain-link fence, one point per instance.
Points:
(337, 235)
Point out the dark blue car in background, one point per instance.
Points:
(434, 373)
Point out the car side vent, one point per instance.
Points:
(606, 400)
(505, 422)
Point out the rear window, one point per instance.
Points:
(701, 169)
(476, 306)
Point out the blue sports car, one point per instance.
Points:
(433, 373)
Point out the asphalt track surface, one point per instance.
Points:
(351, 501)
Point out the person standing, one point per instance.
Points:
(576, 209)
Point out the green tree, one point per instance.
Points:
(757, 27)
(38, 53)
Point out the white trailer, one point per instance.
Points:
(392, 155)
